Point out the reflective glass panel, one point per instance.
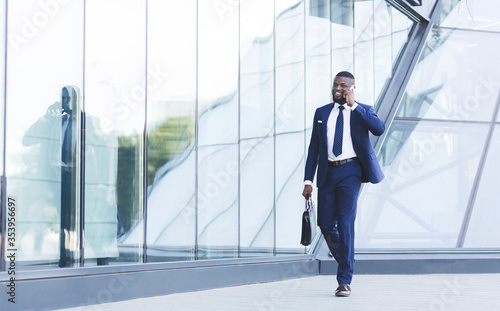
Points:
(218, 201)
(452, 92)
(363, 52)
(171, 130)
(114, 104)
(483, 230)
(257, 69)
(401, 26)
(44, 127)
(318, 82)
(342, 36)
(218, 108)
(482, 15)
(289, 203)
(289, 65)
(257, 196)
(218, 52)
(430, 168)
(391, 31)
(382, 52)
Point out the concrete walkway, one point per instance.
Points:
(433, 292)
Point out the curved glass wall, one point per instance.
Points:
(439, 150)
(175, 127)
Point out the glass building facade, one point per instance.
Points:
(139, 131)
(439, 151)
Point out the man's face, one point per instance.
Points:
(340, 85)
(65, 99)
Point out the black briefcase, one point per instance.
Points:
(307, 223)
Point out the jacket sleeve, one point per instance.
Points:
(370, 119)
(313, 151)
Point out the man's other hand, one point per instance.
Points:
(308, 189)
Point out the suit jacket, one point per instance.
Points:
(363, 120)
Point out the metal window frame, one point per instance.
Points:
(396, 87)
(408, 10)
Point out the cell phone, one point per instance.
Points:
(350, 89)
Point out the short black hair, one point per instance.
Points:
(346, 74)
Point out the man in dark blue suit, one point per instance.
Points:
(341, 151)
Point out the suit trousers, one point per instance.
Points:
(337, 205)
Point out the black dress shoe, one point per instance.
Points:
(344, 290)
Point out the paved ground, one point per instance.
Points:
(434, 292)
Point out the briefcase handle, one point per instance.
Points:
(309, 205)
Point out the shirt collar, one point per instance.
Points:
(336, 106)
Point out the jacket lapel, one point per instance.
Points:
(324, 118)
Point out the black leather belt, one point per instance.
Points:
(340, 162)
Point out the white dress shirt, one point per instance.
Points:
(347, 148)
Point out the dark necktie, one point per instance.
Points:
(339, 133)
(67, 143)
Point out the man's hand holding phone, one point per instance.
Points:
(349, 95)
